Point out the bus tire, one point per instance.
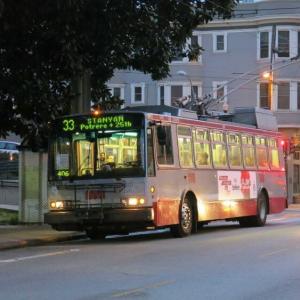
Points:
(95, 234)
(261, 216)
(186, 217)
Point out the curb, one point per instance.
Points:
(14, 244)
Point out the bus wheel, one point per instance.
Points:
(262, 210)
(95, 234)
(261, 216)
(184, 228)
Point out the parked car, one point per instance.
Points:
(9, 150)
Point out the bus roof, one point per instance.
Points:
(251, 119)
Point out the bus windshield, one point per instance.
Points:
(106, 153)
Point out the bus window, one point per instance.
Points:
(201, 148)
(248, 152)
(261, 153)
(218, 149)
(273, 154)
(62, 150)
(119, 149)
(164, 145)
(84, 153)
(234, 150)
(185, 147)
(150, 156)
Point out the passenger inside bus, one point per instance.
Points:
(106, 162)
(102, 157)
(203, 158)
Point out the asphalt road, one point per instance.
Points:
(222, 261)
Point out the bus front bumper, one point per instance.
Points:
(82, 218)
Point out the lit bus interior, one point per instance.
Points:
(98, 154)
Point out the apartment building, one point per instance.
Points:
(252, 59)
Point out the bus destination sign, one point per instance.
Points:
(105, 122)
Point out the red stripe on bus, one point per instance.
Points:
(166, 212)
(277, 204)
(221, 210)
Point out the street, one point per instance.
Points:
(221, 261)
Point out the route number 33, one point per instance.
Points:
(68, 125)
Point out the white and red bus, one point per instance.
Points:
(124, 171)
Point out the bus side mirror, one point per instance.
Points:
(161, 135)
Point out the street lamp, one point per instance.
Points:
(183, 73)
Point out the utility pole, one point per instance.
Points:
(81, 89)
(271, 77)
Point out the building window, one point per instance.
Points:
(176, 94)
(178, 55)
(194, 92)
(116, 92)
(194, 42)
(283, 43)
(264, 95)
(298, 95)
(162, 95)
(220, 90)
(220, 42)
(283, 95)
(264, 44)
(138, 93)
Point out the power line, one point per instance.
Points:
(254, 78)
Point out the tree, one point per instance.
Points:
(45, 44)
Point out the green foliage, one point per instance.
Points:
(45, 44)
(8, 217)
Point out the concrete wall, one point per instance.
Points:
(33, 187)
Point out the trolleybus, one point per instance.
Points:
(124, 171)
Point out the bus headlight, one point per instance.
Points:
(57, 204)
(60, 204)
(133, 201)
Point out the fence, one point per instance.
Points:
(9, 169)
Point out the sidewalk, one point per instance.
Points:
(17, 236)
